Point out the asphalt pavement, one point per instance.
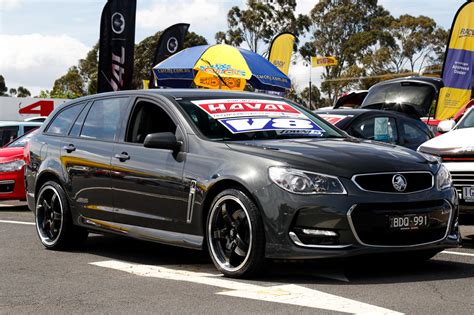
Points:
(111, 274)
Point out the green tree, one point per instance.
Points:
(418, 38)
(88, 69)
(12, 92)
(23, 92)
(348, 30)
(260, 22)
(3, 87)
(145, 51)
(70, 85)
(44, 94)
(315, 97)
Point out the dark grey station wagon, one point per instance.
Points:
(247, 176)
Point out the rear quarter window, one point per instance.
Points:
(64, 119)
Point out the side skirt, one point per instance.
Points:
(143, 233)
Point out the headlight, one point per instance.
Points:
(443, 178)
(302, 182)
(431, 158)
(12, 166)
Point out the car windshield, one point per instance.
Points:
(254, 119)
(467, 121)
(21, 141)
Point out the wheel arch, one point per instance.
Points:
(217, 188)
(43, 178)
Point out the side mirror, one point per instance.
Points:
(446, 125)
(162, 140)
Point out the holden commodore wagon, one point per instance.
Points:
(247, 176)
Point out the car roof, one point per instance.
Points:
(437, 82)
(186, 93)
(5, 123)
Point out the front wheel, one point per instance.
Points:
(235, 235)
(53, 219)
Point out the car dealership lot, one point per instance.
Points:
(114, 274)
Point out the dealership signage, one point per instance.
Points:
(20, 108)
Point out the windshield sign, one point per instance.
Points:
(244, 119)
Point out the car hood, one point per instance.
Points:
(455, 142)
(10, 154)
(341, 157)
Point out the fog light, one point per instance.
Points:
(319, 232)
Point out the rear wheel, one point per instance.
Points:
(53, 219)
(235, 235)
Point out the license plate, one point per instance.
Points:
(409, 221)
(468, 194)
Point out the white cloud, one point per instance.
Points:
(8, 5)
(206, 17)
(35, 61)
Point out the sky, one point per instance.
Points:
(41, 39)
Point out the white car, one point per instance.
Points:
(456, 149)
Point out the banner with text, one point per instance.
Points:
(116, 46)
(457, 69)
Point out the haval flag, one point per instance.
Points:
(458, 64)
(117, 43)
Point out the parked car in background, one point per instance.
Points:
(456, 149)
(37, 118)
(352, 99)
(10, 130)
(379, 125)
(415, 96)
(247, 176)
(12, 162)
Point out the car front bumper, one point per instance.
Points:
(359, 220)
(12, 185)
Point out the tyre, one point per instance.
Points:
(235, 235)
(53, 219)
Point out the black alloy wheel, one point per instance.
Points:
(235, 234)
(53, 219)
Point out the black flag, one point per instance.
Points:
(117, 43)
(171, 41)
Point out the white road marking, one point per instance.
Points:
(457, 253)
(17, 222)
(287, 294)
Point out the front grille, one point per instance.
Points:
(382, 182)
(462, 179)
(7, 186)
(370, 223)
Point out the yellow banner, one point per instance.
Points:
(452, 100)
(457, 67)
(323, 61)
(281, 51)
(146, 84)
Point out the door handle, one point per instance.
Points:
(122, 157)
(69, 148)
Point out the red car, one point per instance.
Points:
(12, 161)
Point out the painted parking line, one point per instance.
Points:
(17, 222)
(457, 253)
(282, 293)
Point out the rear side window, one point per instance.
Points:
(27, 129)
(376, 128)
(104, 118)
(8, 134)
(63, 121)
(413, 134)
